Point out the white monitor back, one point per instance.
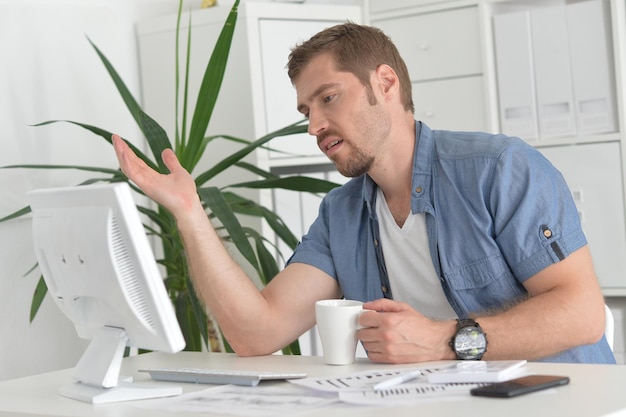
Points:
(100, 270)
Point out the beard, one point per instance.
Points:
(358, 164)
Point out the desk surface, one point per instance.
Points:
(594, 390)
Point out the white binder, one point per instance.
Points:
(516, 84)
(555, 98)
(589, 28)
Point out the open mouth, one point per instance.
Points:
(333, 144)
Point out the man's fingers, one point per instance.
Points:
(121, 151)
(170, 160)
(384, 305)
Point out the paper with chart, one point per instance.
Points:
(359, 388)
(270, 399)
(264, 400)
(408, 393)
(357, 381)
(457, 372)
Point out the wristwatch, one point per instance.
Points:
(469, 341)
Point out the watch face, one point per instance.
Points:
(470, 343)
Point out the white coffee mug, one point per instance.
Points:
(337, 324)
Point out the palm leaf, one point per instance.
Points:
(40, 292)
(77, 167)
(181, 135)
(154, 133)
(267, 260)
(216, 202)
(293, 183)
(245, 151)
(187, 320)
(106, 135)
(209, 89)
(199, 314)
(248, 207)
(16, 214)
(208, 139)
(255, 170)
(293, 348)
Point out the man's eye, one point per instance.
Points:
(328, 98)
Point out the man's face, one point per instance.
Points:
(349, 123)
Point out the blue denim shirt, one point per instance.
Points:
(497, 212)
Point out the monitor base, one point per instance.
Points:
(124, 391)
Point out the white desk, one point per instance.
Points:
(594, 390)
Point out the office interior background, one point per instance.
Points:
(465, 77)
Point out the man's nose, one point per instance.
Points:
(317, 123)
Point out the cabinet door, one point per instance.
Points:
(516, 78)
(552, 67)
(437, 45)
(454, 104)
(277, 37)
(377, 6)
(593, 173)
(589, 25)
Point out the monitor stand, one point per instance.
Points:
(97, 374)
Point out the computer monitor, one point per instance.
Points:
(101, 272)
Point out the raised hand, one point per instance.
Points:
(175, 191)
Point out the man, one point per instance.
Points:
(454, 225)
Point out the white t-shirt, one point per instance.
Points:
(410, 267)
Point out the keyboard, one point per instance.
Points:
(218, 376)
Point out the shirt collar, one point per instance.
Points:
(421, 167)
(422, 170)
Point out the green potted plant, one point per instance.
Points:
(224, 205)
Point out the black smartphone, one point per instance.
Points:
(519, 386)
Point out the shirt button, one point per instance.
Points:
(375, 242)
(384, 288)
(547, 233)
(418, 189)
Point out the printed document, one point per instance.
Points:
(377, 387)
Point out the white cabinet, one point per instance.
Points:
(516, 77)
(276, 38)
(387, 5)
(591, 49)
(571, 71)
(454, 104)
(593, 172)
(443, 51)
(437, 45)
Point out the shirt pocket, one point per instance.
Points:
(484, 284)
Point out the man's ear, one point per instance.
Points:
(387, 80)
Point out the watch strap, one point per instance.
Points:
(460, 323)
